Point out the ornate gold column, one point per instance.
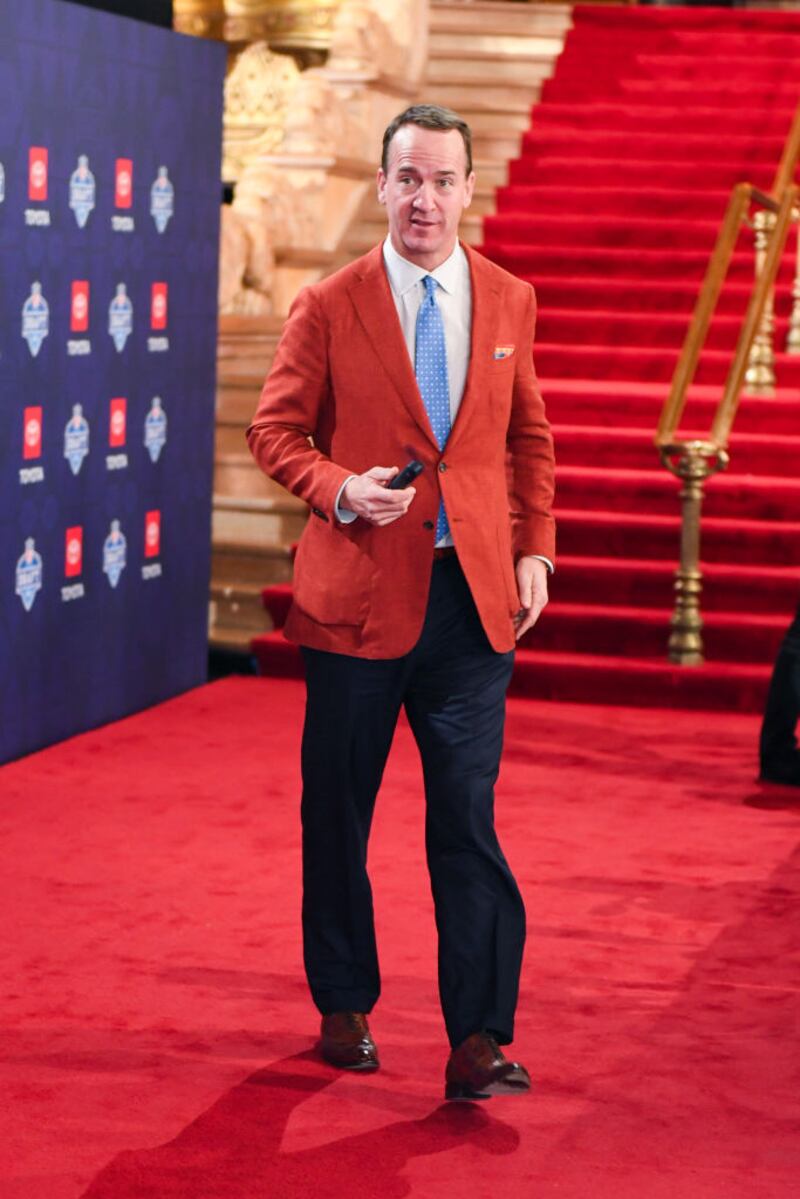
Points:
(201, 18)
(760, 375)
(793, 336)
(692, 462)
(302, 28)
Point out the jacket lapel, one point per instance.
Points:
(372, 299)
(486, 295)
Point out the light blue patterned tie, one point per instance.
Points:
(430, 366)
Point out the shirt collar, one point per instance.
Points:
(403, 275)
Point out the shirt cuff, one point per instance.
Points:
(550, 568)
(344, 515)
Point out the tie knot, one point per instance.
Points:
(430, 286)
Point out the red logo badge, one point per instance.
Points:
(123, 194)
(158, 306)
(79, 319)
(37, 173)
(152, 534)
(117, 422)
(32, 433)
(73, 552)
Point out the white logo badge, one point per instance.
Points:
(162, 200)
(120, 317)
(35, 319)
(76, 439)
(155, 429)
(29, 575)
(114, 551)
(82, 191)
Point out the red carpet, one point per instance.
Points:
(157, 1031)
(611, 212)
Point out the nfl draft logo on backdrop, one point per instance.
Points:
(29, 575)
(76, 439)
(155, 429)
(114, 551)
(82, 191)
(120, 318)
(35, 319)
(162, 200)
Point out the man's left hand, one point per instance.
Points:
(532, 588)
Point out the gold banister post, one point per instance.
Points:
(695, 461)
(793, 335)
(760, 373)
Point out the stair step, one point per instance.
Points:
(638, 682)
(238, 562)
(252, 519)
(506, 18)
(582, 531)
(537, 51)
(643, 582)
(473, 98)
(632, 448)
(237, 608)
(644, 632)
(448, 68)
(569, 677)
(615, 403)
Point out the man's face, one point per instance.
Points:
(425, 190)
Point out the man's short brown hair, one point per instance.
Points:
(428, 116)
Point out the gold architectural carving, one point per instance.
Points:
(361, 41)
(247, 266)
(202, 18)
(299, 27)
(380, 37)
(257, 94)
(317, 122)
(300, 145)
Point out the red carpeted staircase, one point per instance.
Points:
(611, 212)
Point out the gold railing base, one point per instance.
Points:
(685, 658)
(692, 462)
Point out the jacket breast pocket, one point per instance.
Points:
(333, 573)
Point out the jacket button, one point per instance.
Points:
(442, 467)
(427, 524)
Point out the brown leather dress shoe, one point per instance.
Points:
(478, 1069)
(345, 1042)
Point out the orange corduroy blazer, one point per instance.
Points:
(342, 377)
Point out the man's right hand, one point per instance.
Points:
(369, 497)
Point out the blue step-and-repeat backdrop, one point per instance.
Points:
(110, 138)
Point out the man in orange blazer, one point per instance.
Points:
(413, 597)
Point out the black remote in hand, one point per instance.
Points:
(407, 475)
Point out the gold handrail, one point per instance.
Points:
(726, 411)
(695, 460)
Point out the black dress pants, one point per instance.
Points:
(778, 744)
(452, 685)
